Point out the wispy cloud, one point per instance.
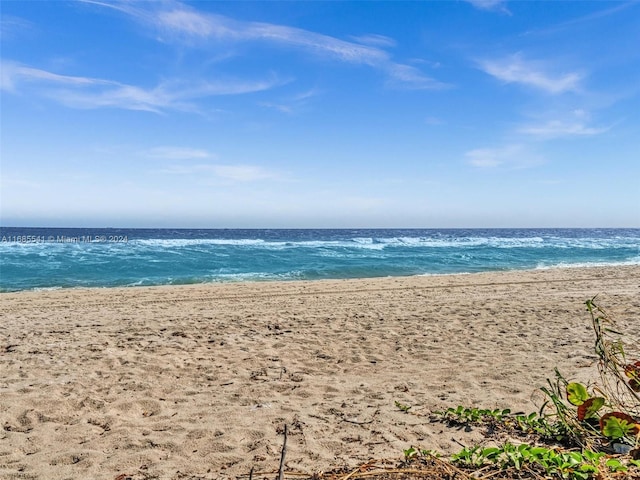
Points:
(375, 40)
(406, 76)
(178, 153)
(233, 173)
(86, 93)
(510, 156)
(293, 103)
(12, 27)
(559, 128)
(586, 19)
(514, 69)
(280, 107)
(180, 22)
(177, 22)
(492, 5)
(15, 73)
(573, 124)
(314, 42)
(211, 169)
(187, 22)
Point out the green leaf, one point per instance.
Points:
(539, 451)
(410, 453)
(577, 394)
(585, 467)
(617, 425)
(590, 407)
(490, 452)
(615, 465)
(593, 457)
(575, 457)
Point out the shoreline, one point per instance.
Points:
(197, 381)
(288, 281)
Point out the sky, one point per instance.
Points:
(421, 114)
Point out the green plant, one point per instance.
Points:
(402, 407)
(537, 424)
(502, 419)
(413, 452)
(580, 414)
(572, 465)
(465, 415)
(410, 453)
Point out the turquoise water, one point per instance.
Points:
(33, 258)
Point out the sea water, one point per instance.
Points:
(35, 258)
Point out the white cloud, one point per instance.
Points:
(127, 97)
(558, 128)
(571, 124)
(180, 22)
(14, 73)
(318, 43)
(514, 69)
(280, 107)
(291, 104)
(512, 156)
(174, 18)
(242, 173)
(406, 76)
(493, 5)
(485, 157)
(307, 94)
(12, 27)
(591, 17)
(234, 173)
(375, 40)
(178, 153)
(186, 22)
(87, 93)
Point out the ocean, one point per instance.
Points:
(46, 258)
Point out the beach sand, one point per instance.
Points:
(198, 381)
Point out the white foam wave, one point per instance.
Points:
(366, 243)
(188, 242)
(623, 263)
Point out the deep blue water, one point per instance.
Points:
(58, 257)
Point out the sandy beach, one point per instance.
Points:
(198, 381)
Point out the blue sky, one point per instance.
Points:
(480, 113)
